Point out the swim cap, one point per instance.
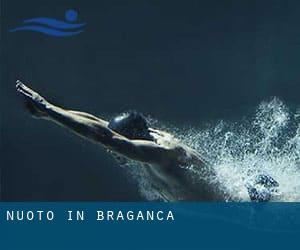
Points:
(132, 125)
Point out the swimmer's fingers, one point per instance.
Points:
(28, 93)
(37, 101)
(23, 89)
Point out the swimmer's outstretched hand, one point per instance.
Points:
(35, 103)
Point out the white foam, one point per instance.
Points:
(268, 142)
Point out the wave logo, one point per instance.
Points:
(53, 27)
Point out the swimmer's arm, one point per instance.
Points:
(142, 150)
(87, 115)
(95, 129)
(81, 123)
(98, 131)
(34, 100)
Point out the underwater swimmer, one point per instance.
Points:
(128, 135)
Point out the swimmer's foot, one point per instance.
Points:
(34, 103)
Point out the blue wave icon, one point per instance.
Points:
(53, 27)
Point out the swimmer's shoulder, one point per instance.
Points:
(185, 155)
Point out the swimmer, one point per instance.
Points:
(129, 136)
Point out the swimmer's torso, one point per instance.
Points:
(177, 179)
(180, 183)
